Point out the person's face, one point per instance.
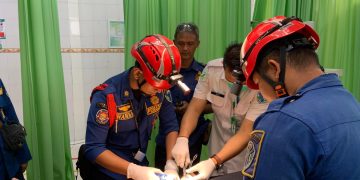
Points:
(149, 89)
(265, 88)
(187, 43)
(228, 75)
(267, 91)
(146, 88)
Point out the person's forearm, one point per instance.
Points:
(170, 142)
(208, 109)
(233, 147)
(237, 143)
(190, 118)
(112, 162)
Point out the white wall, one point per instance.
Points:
(83, 24)
(10, 62)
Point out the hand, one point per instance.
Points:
(137, 172)
(23, 167)
(180, 152)
(204, 168)
(171, 169)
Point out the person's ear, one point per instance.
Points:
(138, 73)
(274, 69)
(175, 42)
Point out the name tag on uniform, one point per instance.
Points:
(125, 112)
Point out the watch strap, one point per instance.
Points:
(219, 162)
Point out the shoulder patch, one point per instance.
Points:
(102, 117)
(260, 98)
(1, 91)
(253, 151)
(198, 74)
(203, 74)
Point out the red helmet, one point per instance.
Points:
(266, 32)
(159, 60)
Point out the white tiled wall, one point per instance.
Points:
(10, 71)
(83, 24)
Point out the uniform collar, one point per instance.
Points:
(322, 81)
(125, 89)
(194, 66)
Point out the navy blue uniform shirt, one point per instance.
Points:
(313, 135)
(191, 76)
(124, 138)
(10, 161)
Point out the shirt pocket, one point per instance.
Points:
(124, 134)
(216, 99)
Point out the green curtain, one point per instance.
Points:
(337, 23)
(265, 9)
(219, 22)
(44, 102)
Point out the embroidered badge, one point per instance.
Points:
(197, 75)
(260, 98)
(168, 96)
(253, 152)
(154, 100)
(203, 74)
(126, 93)
(125, 112)
(1, 91)
(101, 105)
(153, 106)
(102, 117)
(124, 108)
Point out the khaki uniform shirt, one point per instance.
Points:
(213, 87)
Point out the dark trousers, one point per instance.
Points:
(88, 171)
(20, 175)
(160, 154)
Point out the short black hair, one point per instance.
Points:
(231, 58)
(187, 27)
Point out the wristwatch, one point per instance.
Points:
(219, 163)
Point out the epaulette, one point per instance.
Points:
(110, 103)
(100, 87)
(216, 63)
